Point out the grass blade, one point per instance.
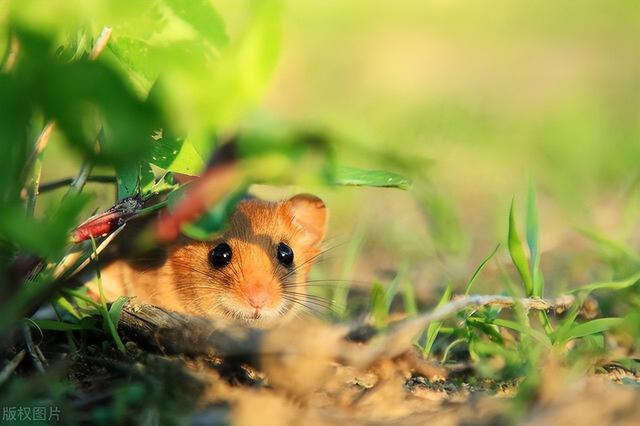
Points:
(479, 269)
(533, 242)
(378, 305)
(434, 328)
(608, 285)
(517, 253)
(341, 291)
(513, 325)
(409, 298)
(56, 325)
(592, 327)
(116, 309)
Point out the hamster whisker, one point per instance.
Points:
(307, 307)
(314, 302)
(297, 268)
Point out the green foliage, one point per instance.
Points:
(358, 177)
(143, 89)
(215, 219)
(533, 237)
(47, 236)
(434, 328)
(479, 269)
(516, 250)
(378, 304)
(380, 299)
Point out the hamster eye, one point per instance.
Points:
(284, 254)
(220, 255)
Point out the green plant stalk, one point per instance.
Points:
(479, 269)
(450, 346)
(434, 328)
(104, 311)
(533, 242)
(68, 334)
(68, 307)
(378, 306)
(341, 291)
(409, 298)
(518, 256)
(82, 297)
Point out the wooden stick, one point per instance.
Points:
(174, 333)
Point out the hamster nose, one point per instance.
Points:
(257, 297)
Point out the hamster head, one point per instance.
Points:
(256, 271)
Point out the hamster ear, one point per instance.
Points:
(309, 216)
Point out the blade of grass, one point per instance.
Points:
(64, 303)
(116, 309)
(103, 305)
(393, 287)
(378, 306)
(409, 298)
(609, 244)
(533, 242)
(56, 325)
(560, 335)
(513, 325)
(434, 328)
(517, 253)
(592, 327)
(480, 268)
(449, 348)
(341, 291)
(608, 285)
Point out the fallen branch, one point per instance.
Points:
(302, 363)
(174, 333)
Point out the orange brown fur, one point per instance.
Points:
(182, 277)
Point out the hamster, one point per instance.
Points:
(254, 273)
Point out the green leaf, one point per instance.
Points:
(59, 325)
(349, 261)
(592, 327)
(76, 94)
(434, 327)
(202, 17)
(116, 309)
(176, 154)
(135, 179)
(449, 348)
(140, 59)
(67, 306)
(533, 237)
(147, 178)
(616, 248)
(47, 237)
(215, 219)
(392, 289)
(127, 178)
(378, 305)
(409, 298)
(480, 268)
(521, 328)
(608, 285)
(350, 176)
(516, 250)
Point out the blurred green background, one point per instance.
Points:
(498, 94)
(475, 101)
